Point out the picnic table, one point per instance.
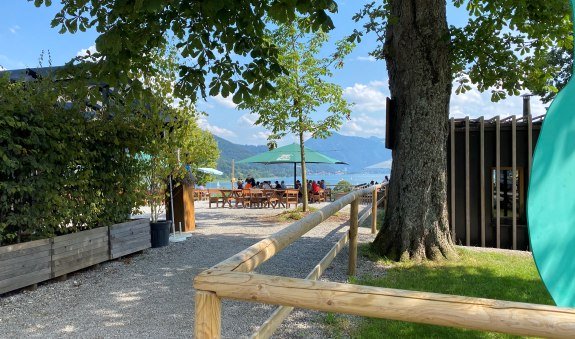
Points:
(254, 197)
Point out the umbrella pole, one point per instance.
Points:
(294, 174)
(232, 179)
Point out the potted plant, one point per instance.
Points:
(156, 180)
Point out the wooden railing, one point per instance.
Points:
(232, 279)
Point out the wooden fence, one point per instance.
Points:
(29, 263)
(232, 279)
(480, 151)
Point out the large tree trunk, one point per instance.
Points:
(417, 55)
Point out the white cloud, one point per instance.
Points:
(367, 98)
(261, 137)
(227, 102)
(14, 29)
(368, 58)
(248, 119)
(219, 131)
(474, 104)
(383, 164)
(84, 51)
(365, 125)
(2, 68)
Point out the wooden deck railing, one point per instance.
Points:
(232, 279)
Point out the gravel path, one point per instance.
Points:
(151, 294)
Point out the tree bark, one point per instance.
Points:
(416, 51)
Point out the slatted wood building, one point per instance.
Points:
(489, 162)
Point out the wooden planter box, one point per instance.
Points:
(129, 237)
(24, 264)
(29, 263)
(75, 251)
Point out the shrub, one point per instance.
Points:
(62, 169)
(343, 186)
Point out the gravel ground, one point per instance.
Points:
(151, 294)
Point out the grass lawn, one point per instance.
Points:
(485, 274)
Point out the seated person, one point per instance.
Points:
(297, 185)
(248, 184)
(283, 185)
(240, 184)
(322, 184)
(266, 185)
(278, 186)
(315, 187)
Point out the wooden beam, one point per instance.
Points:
(482, 177)
(513, 182)
(250, 258)
(353, 226)
(452, 177)
(282, 312)
(374, 211)
(497, 181)
(208, 315)
(429, 308)
(467, 188)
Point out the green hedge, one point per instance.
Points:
(63, 168)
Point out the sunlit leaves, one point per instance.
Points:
(209, 34)
(503, 47)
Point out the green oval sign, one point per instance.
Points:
(551, 199)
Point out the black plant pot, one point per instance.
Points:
(160, 233)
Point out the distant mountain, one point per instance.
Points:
(229, 151)
(358, 152)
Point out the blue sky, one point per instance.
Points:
(25, 32)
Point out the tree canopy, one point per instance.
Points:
(504, 46)
(221, 42)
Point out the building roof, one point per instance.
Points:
(29, 74)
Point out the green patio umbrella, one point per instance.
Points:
(290, 154)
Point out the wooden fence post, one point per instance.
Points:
(374, 211)
(208, 315)
(353, 224)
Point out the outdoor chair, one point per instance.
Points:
(215, 196)
(228, 197)
(317, 196)
(291, 197)
(200, 194)
(271, 197)
(257, 197)
(243, 197)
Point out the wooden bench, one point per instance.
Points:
(215, 196)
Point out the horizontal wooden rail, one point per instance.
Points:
(420, 307)
(250, 258)
(282, 312)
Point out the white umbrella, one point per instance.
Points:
(381, 165)
(210, 171)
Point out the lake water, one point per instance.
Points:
(330, 179)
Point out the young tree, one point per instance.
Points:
(502, 48)
(301, 91)
(174, 138)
